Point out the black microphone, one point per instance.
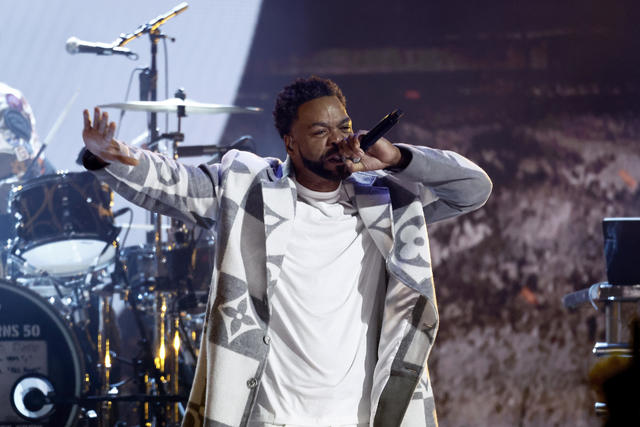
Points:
(370, 138)
(75, 45)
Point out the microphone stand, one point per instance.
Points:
(149, 92)
(149, 88)
(148, 81)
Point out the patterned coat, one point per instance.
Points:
(250, 202)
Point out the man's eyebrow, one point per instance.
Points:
(326, 125)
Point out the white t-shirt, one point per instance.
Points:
(326, 311)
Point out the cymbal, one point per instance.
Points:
(171, 105)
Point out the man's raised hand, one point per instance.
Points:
(98, 138)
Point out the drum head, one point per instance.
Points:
(35, 340)
(70, 257)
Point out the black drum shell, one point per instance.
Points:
(177, 265)
(71, 205)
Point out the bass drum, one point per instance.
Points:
(35, 342)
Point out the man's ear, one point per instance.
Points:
(288, 143)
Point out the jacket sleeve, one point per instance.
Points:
(163, 185)
(447, 183)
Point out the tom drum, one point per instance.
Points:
(64, 223)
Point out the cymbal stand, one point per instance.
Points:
(148, 92)
(171, 324)
(177, 137)
(145, 365)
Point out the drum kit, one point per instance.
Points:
(92, 333)
(66, 294)
(69, 295)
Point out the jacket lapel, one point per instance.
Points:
(374, 207)
(398, 229)
(278, 195)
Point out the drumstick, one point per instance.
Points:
(60, 119)
(52, 132)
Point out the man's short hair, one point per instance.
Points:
(291, 97)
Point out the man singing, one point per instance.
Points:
(322, 309)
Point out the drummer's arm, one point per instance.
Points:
(151, 180)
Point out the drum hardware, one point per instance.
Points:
(148, 370)
(174, 411)
(167, 343)
(190, 328)
(34, 160)
(157, 367)
(104, 354)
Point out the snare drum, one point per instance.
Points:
(37, 349)
(64, 223)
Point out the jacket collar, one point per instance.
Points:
(284, 169)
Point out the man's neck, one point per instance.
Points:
(315, 182)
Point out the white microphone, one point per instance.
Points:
(75, 45)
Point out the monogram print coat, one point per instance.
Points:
(250, 202)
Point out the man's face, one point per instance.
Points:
(312, 141)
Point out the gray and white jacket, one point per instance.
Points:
(250, 203)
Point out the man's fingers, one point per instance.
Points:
(354, 142)
(98, 136)
(111, 131)
(104, 121)
(354, 166)
(349, 148)
(356, 145)
(87, 119)
(96, 117)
